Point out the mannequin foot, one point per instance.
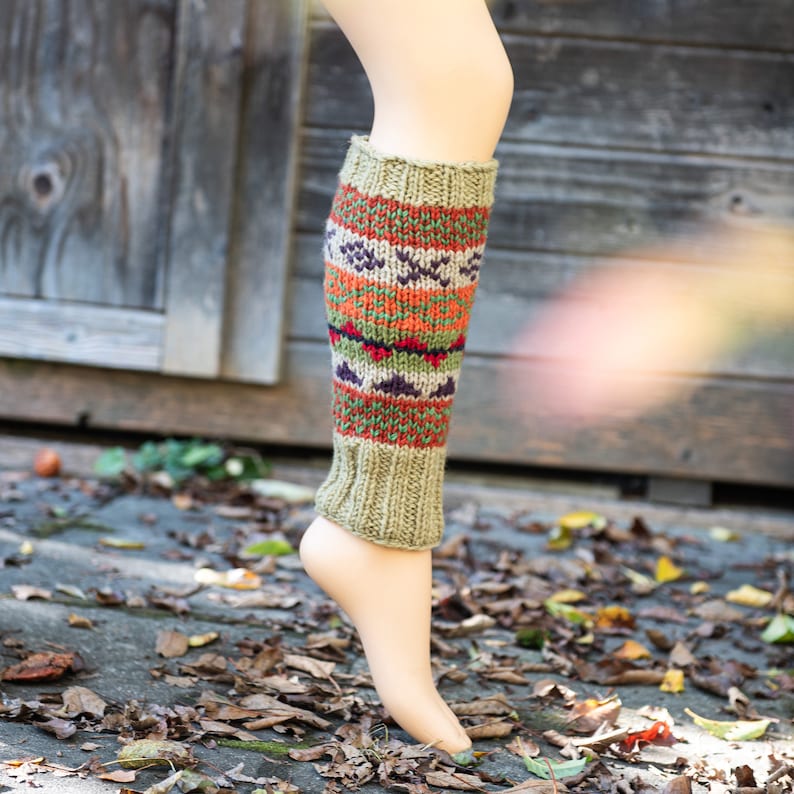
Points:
(386, 592)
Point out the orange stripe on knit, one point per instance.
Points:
(360, 298)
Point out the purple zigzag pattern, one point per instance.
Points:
(398, 386)
(446, 389)
(343, 372)
(416, 270)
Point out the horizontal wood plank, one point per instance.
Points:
(516, 288)
(80, 333)
(595, 202)
(604, 93)
(726, 23)
(714, 430)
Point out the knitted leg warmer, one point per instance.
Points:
(402, 249)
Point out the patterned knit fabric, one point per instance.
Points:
(403, 247)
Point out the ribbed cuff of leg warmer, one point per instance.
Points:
(385, 494)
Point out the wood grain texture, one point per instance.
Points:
(618, 94)
(516, 288)
(207, 87)
(83, 102)
(726, 23)
(724, 429)
(81, 334)
(597, 202)
(259, 261)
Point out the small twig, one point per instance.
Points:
(551, 776)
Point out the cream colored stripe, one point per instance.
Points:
(426, 381)
(379, 261)
(444, 184)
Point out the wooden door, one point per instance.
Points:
(146, 181)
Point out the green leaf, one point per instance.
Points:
(736, 731)
(571, 613)
(540, 767)
(197, 453)
(531, 638)
(266, 547)
(111, 462)
(779, 629)
(149, 456)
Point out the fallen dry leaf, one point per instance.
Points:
(735, 731)
(496, 729)
(81, 700)
(590, 714)
(667, 570)
(453, 780)
(200, 640)
(749, 596)
(614, 617)
(41, 667)
(631, 649)
(79, 622)
(171, 644)
(148, 752)
(24, 592)
(673, 681)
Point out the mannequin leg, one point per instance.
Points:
(442, 86)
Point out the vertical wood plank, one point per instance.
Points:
(83, 113)
(207, 99)
(275, 58)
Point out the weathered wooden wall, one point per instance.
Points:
(216, 132)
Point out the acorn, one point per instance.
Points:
(47, 463)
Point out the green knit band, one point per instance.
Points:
(388, 495)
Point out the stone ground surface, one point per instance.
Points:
(119, 652)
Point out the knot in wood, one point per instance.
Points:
(45, 185)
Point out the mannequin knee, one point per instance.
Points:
(453, 105)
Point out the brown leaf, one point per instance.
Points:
(548, 688)
(62, 729)
(522, 747)
(268, 704)
(659, 639)
(24, 592)
(40, 667)
(308, 753)
(119, 776)
(678, 785)
(681, 656)
(453, 780)
(496, 705)
(588, 715)
(537, 787)
(79, 622)
(745, 778)
(81, 700)
(718, 610)
(664, 614)
(314, 667)
(497, 729)
(171, 644)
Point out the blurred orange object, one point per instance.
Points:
(47, 463)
